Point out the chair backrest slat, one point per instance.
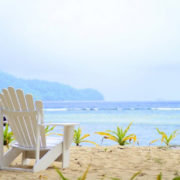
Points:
(39, 108)
(5, 106)
(14, 123)
(1, 102)
(32, 119)
(14, 100)
(26, 120)
(19, 118)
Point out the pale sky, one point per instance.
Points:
(127, 49)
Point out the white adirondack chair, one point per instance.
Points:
(26, 121)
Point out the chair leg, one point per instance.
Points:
(25, 161)
(68, 137)
(10, 156)
(65, 158)
(48, 158)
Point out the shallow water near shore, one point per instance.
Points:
(101, 116)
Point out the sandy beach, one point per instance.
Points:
(110, 161)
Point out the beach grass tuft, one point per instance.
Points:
(176, 178)
(132, 178)
(83, 177)
(120, 136)
(79, 138)
(176, 173)
(164, 137)
(159, 176)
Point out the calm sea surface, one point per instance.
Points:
(101, 116)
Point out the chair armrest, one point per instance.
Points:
(59, 124)
(68, 133)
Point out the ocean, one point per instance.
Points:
(100, 116)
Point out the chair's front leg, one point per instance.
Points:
(68, 137)
(25, 161)
(38, 136)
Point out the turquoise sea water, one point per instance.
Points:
(101, 116)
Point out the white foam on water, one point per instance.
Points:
(166, 109)
(56, 109)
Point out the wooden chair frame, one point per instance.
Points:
(27, 124)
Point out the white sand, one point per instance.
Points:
(110, 161)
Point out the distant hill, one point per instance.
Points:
(49, 91)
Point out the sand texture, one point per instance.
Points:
(109, 161)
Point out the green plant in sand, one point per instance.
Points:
(79, 138)
(83, 177)
(176, 178)
(164, 137)
(49, 129)
(132, 178)
(120, 136)
(159, 176)
(8, 136)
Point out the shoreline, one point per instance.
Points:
(110, 161)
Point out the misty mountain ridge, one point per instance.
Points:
(49, 91)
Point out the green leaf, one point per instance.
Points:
(176, 178)
(127, 129)
(90, 142)
(85, 173)
(165, 139)
(135, 175)
(85, 136)
(49, 129)
(154, 141)
(7, 136)
(103, 133)
(159, 177)
(60, 174)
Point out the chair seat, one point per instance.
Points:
(50, 142)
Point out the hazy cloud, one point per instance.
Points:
(129, 50)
